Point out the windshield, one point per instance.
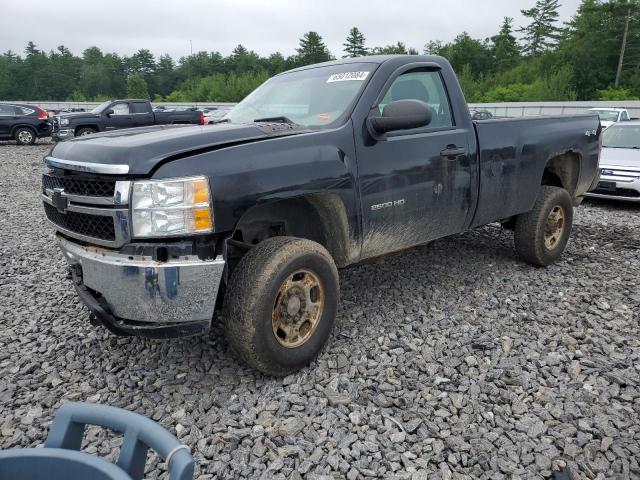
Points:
(316, 97)
(618, 136)
(101, 107)
(607, 116)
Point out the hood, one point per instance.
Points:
(74, 115)
(144, 148)
(606, 123)
(620, 157)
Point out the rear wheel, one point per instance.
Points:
(83, 132)
(541, 234)
(25, 136)
(281, 303)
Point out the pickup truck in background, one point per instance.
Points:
(118, 114)
(319, 168)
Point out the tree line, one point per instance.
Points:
(595, 55)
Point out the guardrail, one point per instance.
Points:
(90, 105)
(506, 109)
(521, 109)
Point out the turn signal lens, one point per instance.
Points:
(202, 220)
(200, 191)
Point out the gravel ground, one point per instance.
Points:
(452, 360)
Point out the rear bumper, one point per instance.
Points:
(139, 296)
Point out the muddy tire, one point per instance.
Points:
(85, 131)
(541, 234)
(280, 304)
(25, 136)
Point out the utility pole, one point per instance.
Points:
(624, 46)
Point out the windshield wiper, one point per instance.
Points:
(277, 119)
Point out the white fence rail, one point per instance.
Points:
(521, 109)
(90, 105)
(509, 109)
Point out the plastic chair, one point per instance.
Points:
(61, 458)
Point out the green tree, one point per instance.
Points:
(312, 49)
(592, 42)
(165, 76)
(398, 49)
(433, 47)
(613, 93)
(137, 87)
(465, 50)
(542, 33)
(354, 45)
(505, 50)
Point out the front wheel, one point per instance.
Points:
(83, 132)
(25, 136)
(281, 303)
(541, 234)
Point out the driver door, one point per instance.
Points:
(415, 184)
(121, 117)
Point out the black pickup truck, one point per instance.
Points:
(320, 168)
(118, 114)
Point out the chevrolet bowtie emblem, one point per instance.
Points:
(59, 201)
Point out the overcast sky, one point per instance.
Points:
(265, 26)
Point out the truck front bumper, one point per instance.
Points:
(135, 295)
(62, 134)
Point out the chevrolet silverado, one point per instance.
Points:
(319, 168)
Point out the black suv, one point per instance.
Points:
(23, 123)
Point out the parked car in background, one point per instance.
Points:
(609, 116)
(23, 123)
(620, 163)
(214, 114)
(118, 114)
(480, 114)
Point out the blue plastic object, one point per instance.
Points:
(61, 458)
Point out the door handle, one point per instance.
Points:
(452, 152)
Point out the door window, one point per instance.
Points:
(140, 107)
(121, 109)
(7, 110)
(625, 116)
(426, 86)
(24, 110)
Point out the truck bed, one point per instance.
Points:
(513, 153)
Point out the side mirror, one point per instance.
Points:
(402, 115)
(108, 112)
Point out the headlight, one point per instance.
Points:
(179, 206)
(64, 121)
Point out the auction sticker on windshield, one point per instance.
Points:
(347, 76)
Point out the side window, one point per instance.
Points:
(625, 116)
(140, 107)
(426, 86)
(121, 109)
(24, 111)
(7, 110)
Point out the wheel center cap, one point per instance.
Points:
(293, 306)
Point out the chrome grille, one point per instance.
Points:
(79, 186)
(91, 208)
(95, 226)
